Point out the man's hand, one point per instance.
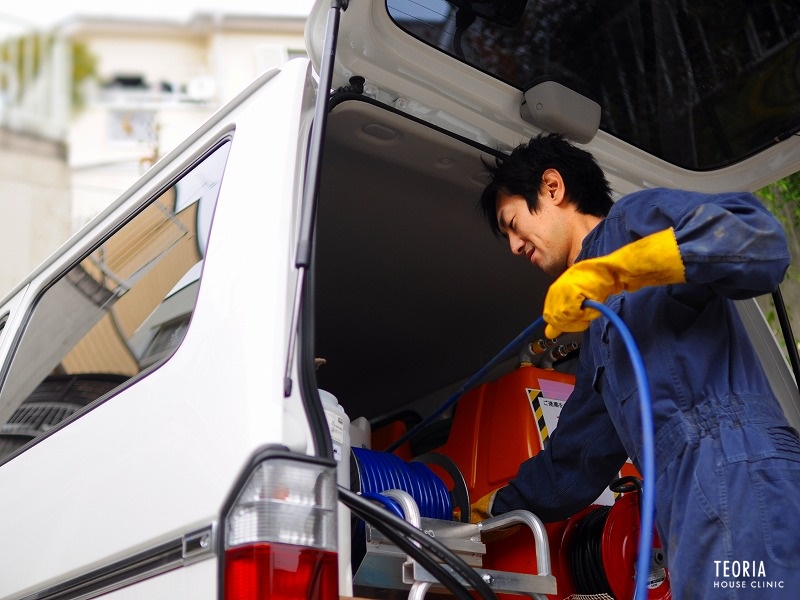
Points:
(652, 260)
(481, 509)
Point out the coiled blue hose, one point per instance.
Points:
(388, 503)
(382, 471)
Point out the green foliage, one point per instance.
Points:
(782, 198)
(24, 58)
(84, 68)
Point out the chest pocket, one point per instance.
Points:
(597, 381)
(614, 376)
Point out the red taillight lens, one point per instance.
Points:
(280, 572)
(280, 532)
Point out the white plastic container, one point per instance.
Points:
(339, 427)
(360, 433)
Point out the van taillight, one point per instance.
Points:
(280, 533)
(280, 572)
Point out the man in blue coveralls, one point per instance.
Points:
(669, 263)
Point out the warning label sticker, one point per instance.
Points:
(335, 426)
(656, 578)
(546, 411)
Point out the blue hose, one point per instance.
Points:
(648, 462)
(388, 503)
(510, 347)
(648, 437)
(381, 471)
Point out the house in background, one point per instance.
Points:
(67, 152)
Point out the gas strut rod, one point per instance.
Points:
(303, 252)
(314, 167)
(788, 336)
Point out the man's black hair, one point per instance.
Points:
(520, 173)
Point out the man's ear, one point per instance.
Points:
(553, 185)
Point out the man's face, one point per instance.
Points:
(539, 236)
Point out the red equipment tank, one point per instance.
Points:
(500, 424)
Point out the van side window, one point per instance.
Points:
(123, 308)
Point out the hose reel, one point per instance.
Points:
(600, 549)
(412, 490)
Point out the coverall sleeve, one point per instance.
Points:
(729, 242)
(583, 455)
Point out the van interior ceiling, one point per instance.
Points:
(412, 292)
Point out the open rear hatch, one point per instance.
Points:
(412, 294)
(691, 95)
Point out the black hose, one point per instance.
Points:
(402, 533)
(626, 484)
(788, 336)
(588, 572)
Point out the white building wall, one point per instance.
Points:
(161, 55)
(241, 57)
(206, 62)
(49, 189)
(34, 204)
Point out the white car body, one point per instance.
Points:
(87, 497)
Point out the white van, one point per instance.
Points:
(162, 429)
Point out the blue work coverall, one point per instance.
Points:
(727, 461)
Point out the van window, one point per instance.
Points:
(701, 85)
(123, 308)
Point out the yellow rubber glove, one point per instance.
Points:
(652, 260)
(481, 509)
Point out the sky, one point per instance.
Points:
(44, 13)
